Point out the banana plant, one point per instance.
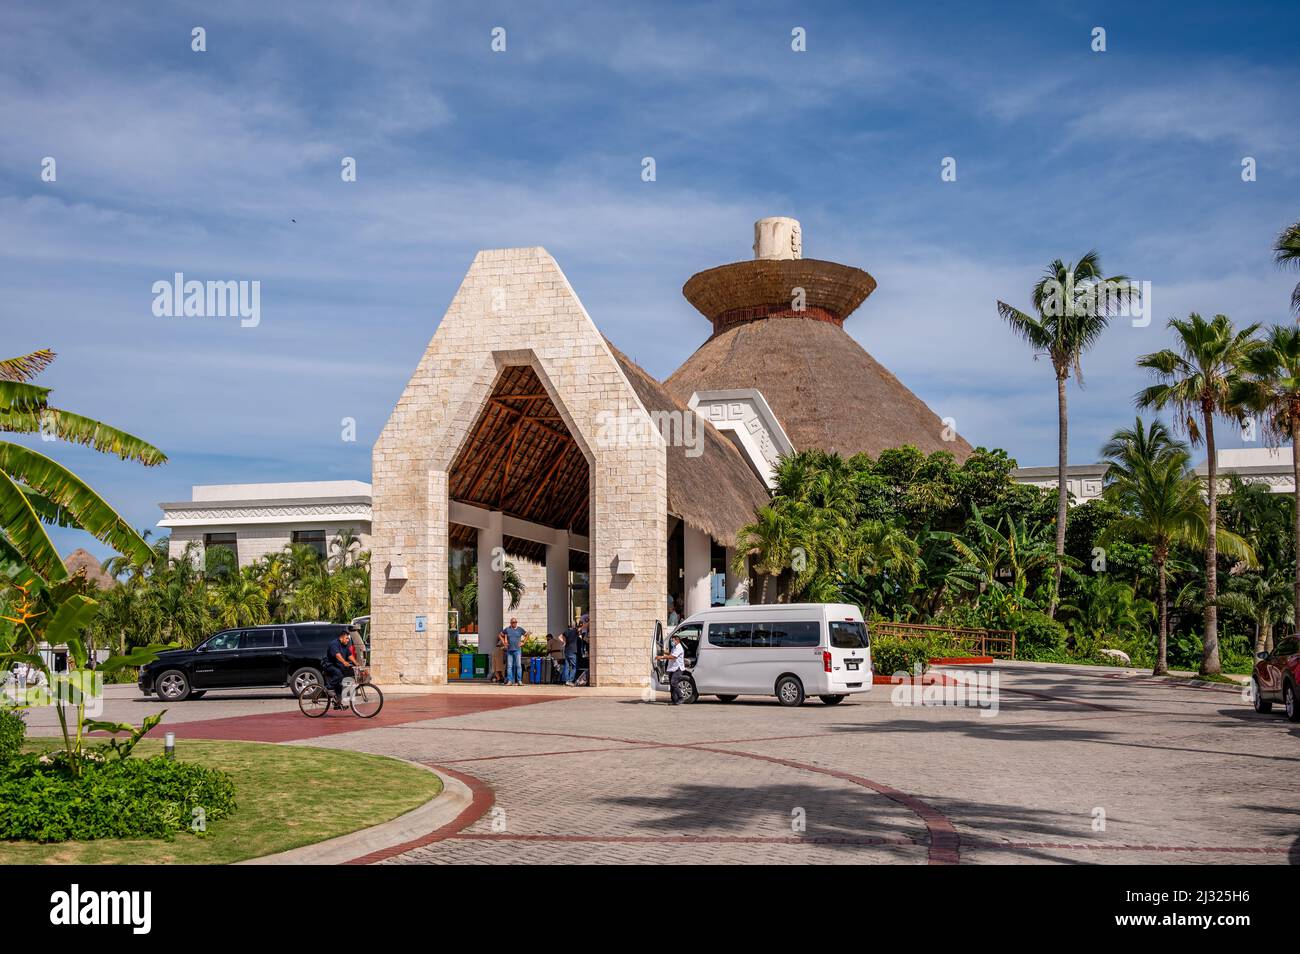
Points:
(30, 625)
(36, 490)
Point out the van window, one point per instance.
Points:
(788, 635)
(729, 635)
(849, 634)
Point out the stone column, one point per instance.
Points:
(491, 555)
(557, 583)
(697, 552)
(737, 584)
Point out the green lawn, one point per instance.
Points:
(287, 796)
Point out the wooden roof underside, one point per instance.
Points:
(520, 459)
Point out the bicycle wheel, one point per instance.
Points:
(314, 702)
(367, 700)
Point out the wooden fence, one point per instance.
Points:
(998, 643)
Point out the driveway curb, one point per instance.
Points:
(440, 810)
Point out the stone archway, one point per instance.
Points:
(515, 309)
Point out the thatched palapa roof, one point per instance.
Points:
(716, 491)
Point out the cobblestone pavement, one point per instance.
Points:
(1177, 774)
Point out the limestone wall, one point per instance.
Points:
(515, 307)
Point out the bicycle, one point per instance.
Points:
(359, 694)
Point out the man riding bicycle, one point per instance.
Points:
(340, 658)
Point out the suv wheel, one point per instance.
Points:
(789, 691)
(172, 686)
(1289, 703)
(1258, 701)
(303, 679)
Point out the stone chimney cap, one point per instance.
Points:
(777, 238)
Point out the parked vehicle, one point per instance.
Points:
(246, 658)
(1276, 676)
(790, 651)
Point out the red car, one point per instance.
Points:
(1277, 674)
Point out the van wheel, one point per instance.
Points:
(1261, 704)
(689, 693)
(1289, 703)
(172, 686)
(304, 679)
(726, 698)
(789, 691)
(831, 700)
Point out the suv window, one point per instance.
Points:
(263, 639)
(317, 635)
(223, 642)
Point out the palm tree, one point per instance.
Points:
(1195, 382)
(1264, 600)
(1149, 480)
(1287, 253)
(238, 602)
(1270, 384)
(990, 555)
(344, 547)
(1070, 319)
(765, 545)
(35, 489)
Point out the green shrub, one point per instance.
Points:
(1038, 636)
(891, 654)
(12, 731)
(112, 798)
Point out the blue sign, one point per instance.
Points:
(421, 623)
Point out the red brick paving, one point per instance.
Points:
(293, 725)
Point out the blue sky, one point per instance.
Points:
(170, 160)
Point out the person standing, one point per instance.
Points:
(555, 650)
(514, 635)
(570, 671)
(676, 659)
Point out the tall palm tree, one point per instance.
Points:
(1150, 481)
(1287, 253)
(1194, 381)
(1270, 384)
(35, 489)
(1070, 318)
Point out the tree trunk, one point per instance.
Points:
(1062, 490)
(1162, 642)
(1210, 657)
(1259, 636)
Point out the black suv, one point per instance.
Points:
(254, 656)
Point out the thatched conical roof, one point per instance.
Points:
(778, 328)
(82, 560)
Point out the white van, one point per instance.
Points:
(790, 651)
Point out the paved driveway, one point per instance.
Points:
(1075, 766)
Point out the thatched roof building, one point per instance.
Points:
(83, 561)
(778, 328)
